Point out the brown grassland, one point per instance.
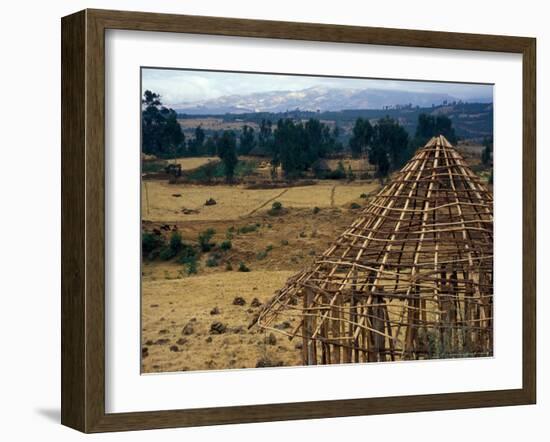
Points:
(200, 321)
(178, 310)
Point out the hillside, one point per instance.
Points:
(470, 120)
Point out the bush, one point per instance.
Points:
(284, 242)
(175, 242)
(269, 248)
(167, 253)
(276, 208)
(150, 242)
(363, 195)
(354, 206)
(212, 261)
(192, 266)
(338, 174)
(187, 253)
(226, 245)
(206, 172)
(316, 210)
(228, 266)
(247, 229)
(153, 166)
(230, 232)
(204, 240)
(261, 255)
(243, 267)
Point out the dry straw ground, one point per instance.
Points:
(181, 313)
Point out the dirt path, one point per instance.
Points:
(261, 206)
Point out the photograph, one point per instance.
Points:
(295, 220)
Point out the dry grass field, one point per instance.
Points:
(357, 165)
(194, 162)
(190, 321)
(209, 123)
(164, 202)
(178, 315)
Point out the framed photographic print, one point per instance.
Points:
(268, 221)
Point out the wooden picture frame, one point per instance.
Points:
(83, 220)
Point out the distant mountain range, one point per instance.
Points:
(313, 99)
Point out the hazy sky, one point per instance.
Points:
(185, 86)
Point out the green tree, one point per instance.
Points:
(433, 125)
(289, 150)
(361, 137)
(227, 151)
(195, 146)
(389, 148)
(161, 133)
(210, 146)
(247, 141)
(297, 147)
(265, 137)
(487, 153)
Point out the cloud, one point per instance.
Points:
(186, 86)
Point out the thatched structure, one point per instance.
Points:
(411, 278)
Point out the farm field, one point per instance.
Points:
(162, 201)
(194, 162)
(180, 310)
(200, 321)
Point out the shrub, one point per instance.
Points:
(228, 266)
(153, 166)
(226, 245)
(167, 253)
(276, 208)
(245, 168)
(316, 210)
(150, 242)
(243, 267)
(206, 172)
(247, 229)
(190, 260)
(363, 195)
(175, 242)
(284, 242)
(212, 261)
(354, 206)
(192, 266)
(269, 248)
(204, 240)
(187, 252)
(335, 174)
(261, 255)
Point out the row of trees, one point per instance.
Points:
(388, 145)
(295, 146)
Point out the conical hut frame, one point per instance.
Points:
(411, 278)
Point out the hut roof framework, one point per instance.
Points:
(410, 278)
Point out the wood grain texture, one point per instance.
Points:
(73, 252)
(83, 218)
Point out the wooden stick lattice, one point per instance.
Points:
(411, 278)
